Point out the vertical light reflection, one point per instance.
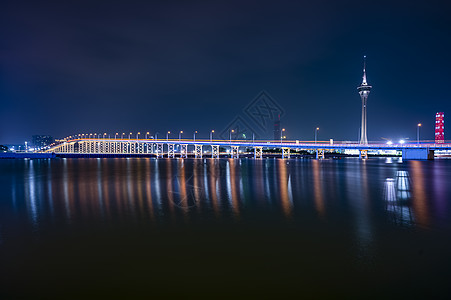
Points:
(66, 191)
(258, 181)
(183, 200)
(49, 188)
(130, 189)
(196, 181)
(148, 183)
(106, 188)
(139, 188)
(99, 189)
(396, 195)
(440, 189)
(231, 186)
(364, 213)
(169, 187)
(30, 194)
(207, 192)
(283, 186)
(157, 183)
(213, 185)
(317, 188)
(419, 200)
(120, 188)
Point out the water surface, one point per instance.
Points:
(72, 228)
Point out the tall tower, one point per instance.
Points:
(439, 128)
(364, 90)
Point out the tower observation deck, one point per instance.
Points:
(364, 90)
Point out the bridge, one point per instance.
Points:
(193, 147)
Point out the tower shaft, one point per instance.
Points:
(364, 90)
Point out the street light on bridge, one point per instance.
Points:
(167, 136)
(137, 135)
(281, 135)
(129, 135)
(230, 135)
(316, 133)
(211, 136)
(180, 135)
(195, 132)
(115, 136)
(147, 133)
(418, 133)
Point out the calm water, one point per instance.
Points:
(96, 228)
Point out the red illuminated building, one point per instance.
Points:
(439, 128)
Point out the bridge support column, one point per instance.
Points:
(149, 147)
(285, 153)
(171, 150)
(184, 151)
(198, 151)
(159, 150)
(319, 153)
(363, 154)
(140, 148)
(214, 151)
(417, 154)
(258, 152)
(235, 152)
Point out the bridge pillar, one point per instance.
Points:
(319, 153)
(417, 154)
(235, 152)
(198, 151)
(140, 148)
(363, 154)
(258, 152)
(214, 151)
(285, 153)
(149, 147)
(159, 150)
(171, 150)
(184, 151)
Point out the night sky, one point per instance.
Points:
(125, 66)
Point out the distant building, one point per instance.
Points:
(40, 141)
(439, 128)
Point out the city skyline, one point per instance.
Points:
(67, 70)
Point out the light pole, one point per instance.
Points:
(211, 136)
(195, 132)
(316, 133)
(180, 135)
(167, 136)
(115, 136)
(147, 133)
(137, 135)
(230, 135)
(418, 133)
(156, 135)
(104, 135)
(281, 135)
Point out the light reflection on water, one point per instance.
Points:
(270, 222)
(132, 190)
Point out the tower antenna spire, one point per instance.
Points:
(364, 71)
